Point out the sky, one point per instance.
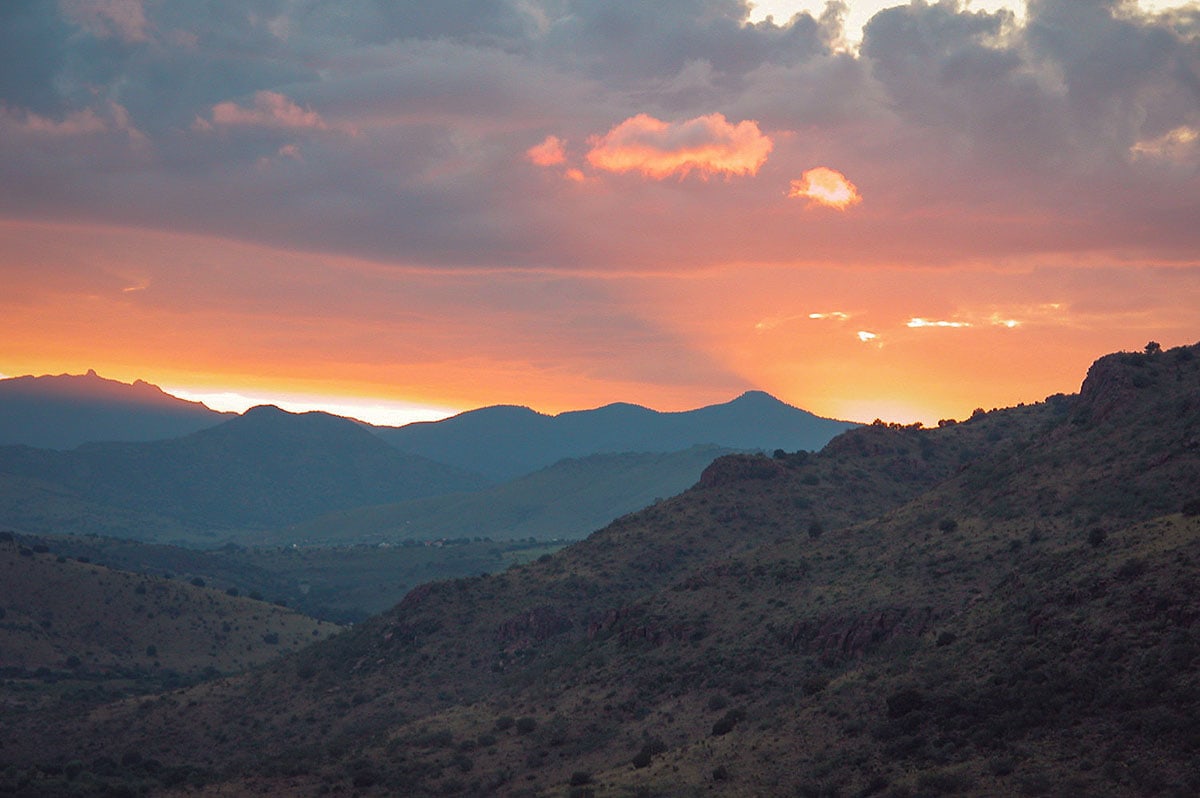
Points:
(401, 210)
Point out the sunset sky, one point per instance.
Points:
(398, 210)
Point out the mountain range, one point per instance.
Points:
(258, 477)
(1003, 606)
(505, 442)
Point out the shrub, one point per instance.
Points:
(720, 773)
(1192, 508)
(815, 530)
(525, 725)
(947, 525)
(151, 651)
(728, 721)
(198, 582)
(580, 777)
(504, 722)
(1096, 537)
(903, 702)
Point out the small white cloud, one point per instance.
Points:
(867, 337)
(916, 321)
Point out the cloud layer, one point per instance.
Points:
(523, 144)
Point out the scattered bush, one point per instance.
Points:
(580, 777)
(1096, 537)
(198, 582)
(903, 702)
(728, 721)
(947, 525)
(525, 725)
(504, 722)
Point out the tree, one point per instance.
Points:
(1153, 348)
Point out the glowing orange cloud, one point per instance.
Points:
(551, 152)
(707, 145)
(271, 109)
(823, 186)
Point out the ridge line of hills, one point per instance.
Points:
(257, 477)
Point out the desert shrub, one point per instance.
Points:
(720, 773)
(504, 722)
(1096, 537)
(151, 651)
(948, 525)
(525, 725)
(815, 530)
(580, 777)
(1191, 508)
(271, 638)
(728, 721)
(903, 702)
(198, 582)
(946, 638)
(717, 703)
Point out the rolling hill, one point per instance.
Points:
(84, 620)
(505, 442)
(1007, 605)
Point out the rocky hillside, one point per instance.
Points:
(1007, 605)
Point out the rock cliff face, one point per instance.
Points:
(1114, 381)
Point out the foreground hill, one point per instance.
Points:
(565, 501)
(266, 468)
(64, 411)
(82, 619)
(506, 442)
(1003, 606)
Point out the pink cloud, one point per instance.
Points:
(76, 123)
(270, 110)
(550, 152)
(707, 144)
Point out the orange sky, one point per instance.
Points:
(963, 212)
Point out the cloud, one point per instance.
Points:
(270, 110)
(1174, 145)
(867, 337)
(550, 152)
(824, 186)
(708, 145)
(917, 321)
(121, 19)
(75, 123)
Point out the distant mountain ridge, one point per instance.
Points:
(265, 468)
(506, 441)
(63, 411)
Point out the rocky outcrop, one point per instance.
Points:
(841, 637)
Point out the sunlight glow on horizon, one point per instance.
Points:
(372, 411)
